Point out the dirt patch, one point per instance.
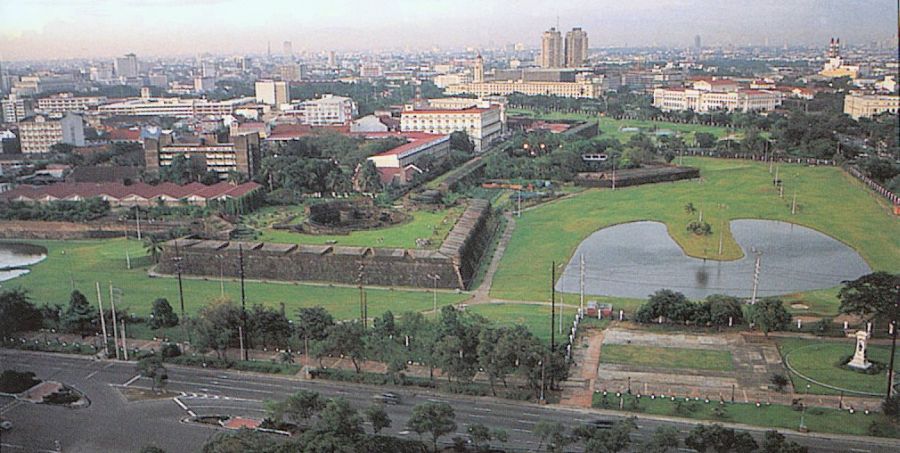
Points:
(800, 306)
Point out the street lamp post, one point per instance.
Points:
(435, 279)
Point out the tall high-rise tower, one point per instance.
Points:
(576, 47)
(478, 76)
(697, 44)
(126, 66)
(551, 49)
(834, 48)
(287, 48)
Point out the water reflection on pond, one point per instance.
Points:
(14, 257)
(636, 259)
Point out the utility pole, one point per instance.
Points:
(127, 260)
(243, 301)
(241, 341)
(721, 227)
(582, 284)
(552, 306)
(137, 212)
(112, 302)
(435, 279)
(124, 344)
(519, 203)
(614, 172)
(177, 260)
(794, 204)
(890, 380)
(756, 278)
(103, 323)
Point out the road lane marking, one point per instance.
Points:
(521, 430)
(131, 381)
(92, 374)
(178, 402)
(482, 409)
(527, 422)
(191, 413)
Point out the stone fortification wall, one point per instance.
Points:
(455, 262)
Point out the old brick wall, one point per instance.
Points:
(455, 262)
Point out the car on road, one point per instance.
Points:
(388, 398)
(600, 423)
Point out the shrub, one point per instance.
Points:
(12, 381)
(700, 228)
(169, 350)
(780, 381)
(64, 396)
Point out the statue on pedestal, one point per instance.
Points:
(859, 357)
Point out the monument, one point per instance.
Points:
(859, 357)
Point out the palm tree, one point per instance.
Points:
(153, 246)
(689, 208)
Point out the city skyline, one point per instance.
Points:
(43, 29)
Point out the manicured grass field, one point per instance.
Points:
(424, 224)
(651, 356)
(79, 264)
(829, 201)
(817, 419)
(535, 317)
(819, 359)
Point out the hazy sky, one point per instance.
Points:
(39, 29)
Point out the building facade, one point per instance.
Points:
(127, 66)
(273, 92)
(715, 95)
(15, 109)
(66, 102)
(576, 47)
(483, 125)
(588, 88)
(241, 154)
(327, 110)
(175, 107)
(38, 134)
(859, 105)
(552, 49)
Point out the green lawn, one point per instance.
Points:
(817, 419)
(818, 360)
(80, 264)
(424, 224)
(830, 201)
(535, 317)
(651, 356)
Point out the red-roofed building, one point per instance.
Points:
(139, 194)
(397, 165)
(125, 136)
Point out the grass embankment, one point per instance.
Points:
(818, 360)
(816, 419)
(80, 264)
(829, 201)
(423, 224)
(658, 357)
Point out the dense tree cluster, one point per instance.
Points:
(715, 310)
(56, 211)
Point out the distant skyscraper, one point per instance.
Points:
(697, 44)
(551, 49)
(576, 47)
(834, 48)
(332, 61)
(127, 66)
(288, 49)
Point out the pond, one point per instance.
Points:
(15, 257)
(636, 259)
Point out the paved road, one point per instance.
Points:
(113, 424)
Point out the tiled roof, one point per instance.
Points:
(117, 191)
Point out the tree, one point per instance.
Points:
(378, 417)
(723, 308)
(775, 442)
(299, 407)
(152, 367)
(17, 313)
(152, 449)
(875, 296)
(340, 420)
(666, 304)
(719, 439)
(482, 435)
(553, 434)
(423, 336)
(770, 315)
(243, 440)
(216, 326)
(665, 438)
(460, 141)
(599, 440)
(780, 381)
(79, 315)
(435, 418)
(705, 139)
(162, 314)
(12, 381)
(346, 339)
(268, 327)
(312, 324)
